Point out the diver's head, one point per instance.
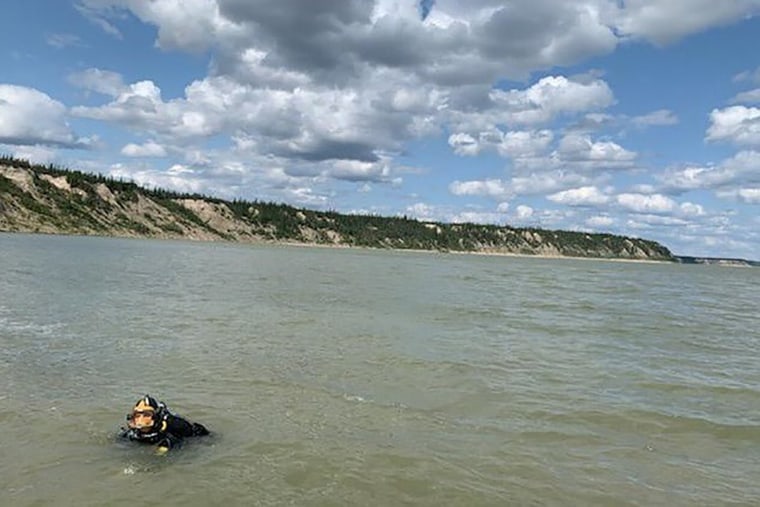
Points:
(145, 414)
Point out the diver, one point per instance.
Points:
(150, 422)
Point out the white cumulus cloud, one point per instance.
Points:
(691, 209)
(749, 195)
(464, 144)
(521, 144)
(523, 212)
(737, 124)
(736, 171)
(550, 97)
(29, 116)
(358, 171)
(641, 203)
(491, 188)
(541, 182)
(177, 177)
(149, 149)
(101, 81)
(599, 221)
(594, 154)
(582, 196)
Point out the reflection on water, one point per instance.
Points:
(353, 377)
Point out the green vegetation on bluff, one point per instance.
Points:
(50, 199)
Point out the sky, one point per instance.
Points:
(633, 117)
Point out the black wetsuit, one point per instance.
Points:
(168, 432)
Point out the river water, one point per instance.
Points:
(358, 377)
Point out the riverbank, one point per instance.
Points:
(49, 200)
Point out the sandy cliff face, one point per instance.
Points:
(47, 204)
(32, 200)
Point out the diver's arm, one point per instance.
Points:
(167, 442)
(174, 429)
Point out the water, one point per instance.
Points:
(355, 377)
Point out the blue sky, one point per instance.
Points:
(636, 117)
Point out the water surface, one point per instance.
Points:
(358, 377)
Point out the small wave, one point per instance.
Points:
(41, 330)
(354, 397)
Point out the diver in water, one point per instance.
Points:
(151, 422)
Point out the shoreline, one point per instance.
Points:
(465, 252)
(270, 242)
